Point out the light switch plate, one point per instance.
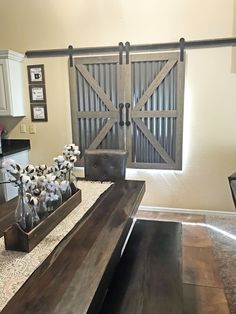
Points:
(23, 128)
(32, 129)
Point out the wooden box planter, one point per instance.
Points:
(17, 239)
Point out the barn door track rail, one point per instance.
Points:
(181, 45)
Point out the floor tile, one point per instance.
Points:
(196, 236)
(204, 300)
(199, 267)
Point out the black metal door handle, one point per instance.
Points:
(121, 106)
(127, 106)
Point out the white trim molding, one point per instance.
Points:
(187, 211)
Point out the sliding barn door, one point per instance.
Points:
(95, 104)
(154, 135)
(136, 106)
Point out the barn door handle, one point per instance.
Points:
(121, 106)
(127, 106)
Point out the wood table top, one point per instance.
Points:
(77, 271)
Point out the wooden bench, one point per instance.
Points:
(148, 278)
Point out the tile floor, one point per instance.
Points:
(202, 286)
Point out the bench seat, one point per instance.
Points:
(148, 278)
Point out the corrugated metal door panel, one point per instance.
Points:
(162, 99)
(89, 102)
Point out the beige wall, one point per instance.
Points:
(209, 123)
(234, 34)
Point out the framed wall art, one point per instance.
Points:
(37, 93)
(36, 74)
(39, 113)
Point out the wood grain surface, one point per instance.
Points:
(7, 214)
(148, 279)
(68, 280)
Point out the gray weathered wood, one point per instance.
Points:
(97, 59)
(97, 114)
(121, 100)
(128, 99)
(153, 56)
(154, 114)
(180, 107)
(149, 165)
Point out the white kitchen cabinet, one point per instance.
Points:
(11, 84)
(8, 191)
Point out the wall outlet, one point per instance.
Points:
(32, 129)
(23, 128)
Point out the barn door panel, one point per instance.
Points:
(154, 111)
(97, 104)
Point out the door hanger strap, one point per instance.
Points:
(125, 48)
(70, 49)
(182, 46)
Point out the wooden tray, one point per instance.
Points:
(17, 239)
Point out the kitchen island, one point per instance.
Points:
(75, 276)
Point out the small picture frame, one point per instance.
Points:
(36, 74)
(39, 113)
(37, 93)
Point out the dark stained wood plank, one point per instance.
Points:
(7, 214)
(67, 281)
(149, 276)
(199, 267)
(204, 300)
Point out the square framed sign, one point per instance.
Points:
(39, 112)
(36, 74)
(37, 93)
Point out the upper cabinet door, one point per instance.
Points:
(11, 84)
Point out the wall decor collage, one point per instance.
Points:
(37, 93)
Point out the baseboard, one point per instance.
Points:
(187, 211)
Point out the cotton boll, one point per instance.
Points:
(29, 169)
(8, 163)
(76, 152)
(24, 179)
(60, 159)
(43, 168)
(73, 159)
(12, 170)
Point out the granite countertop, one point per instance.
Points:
(12, 146)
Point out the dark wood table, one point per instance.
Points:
(75, 276)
